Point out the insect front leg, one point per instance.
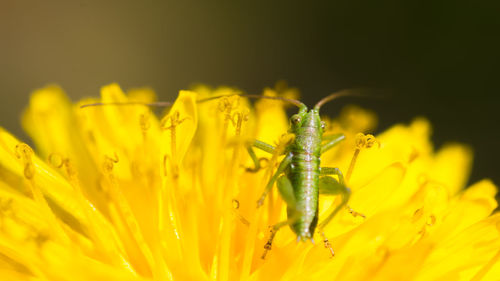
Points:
(333, 140)
(286, 191)
(274, 230)
(282, 167)
(262, 146)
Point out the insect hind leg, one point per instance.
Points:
(331, 186)
(336, 187)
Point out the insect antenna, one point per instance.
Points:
(336, 95)
(165, 104)
(156, 104)
(357, 92)
(292, 101)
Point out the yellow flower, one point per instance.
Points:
(116, 194)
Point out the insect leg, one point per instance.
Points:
(274, 229)
(329, 185)
(262, 146)
(286, 191)
(282, 167)
(332, 141)
(341, 182)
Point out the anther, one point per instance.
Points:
(23, 151)
(370, 141)
(55, 160)
(109, 163)
(360, 140)
(174, 119)
(225, 105)
(70, 169)
(417, 215)
(236, 206)
(431, 220)
(365, 141)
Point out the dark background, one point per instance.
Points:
(437, 59)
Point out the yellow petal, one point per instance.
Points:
(452, 166)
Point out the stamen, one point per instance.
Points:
(58, 161)
(175, 121)
(431, 220)
(417, 215)
(236, 206)
(226, 106)
(124, 212)
(362, 141)
(108, 163)
(55, 160)
(25, 153)
(237, 120)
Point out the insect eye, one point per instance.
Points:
(296, 119)
(323, 125)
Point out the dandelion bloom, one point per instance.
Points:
(114, 193)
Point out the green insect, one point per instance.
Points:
(300, 178)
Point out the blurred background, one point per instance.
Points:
(437, 59)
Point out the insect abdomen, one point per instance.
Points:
(304, 176)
